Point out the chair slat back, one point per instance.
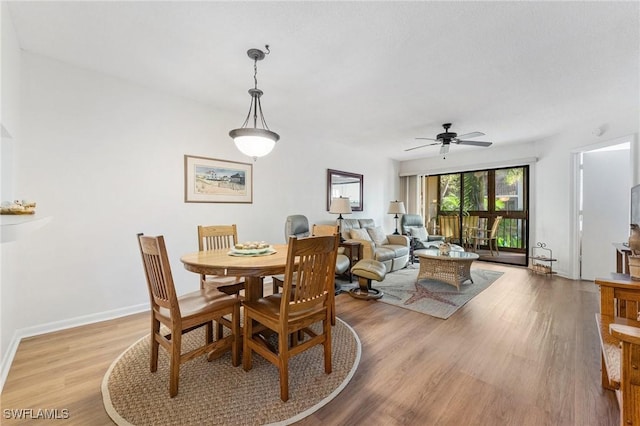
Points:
(450, 227)
(217, 237)
(324, 230)
(313, 274)
(494, 227)
(470, 221)
(158, 272)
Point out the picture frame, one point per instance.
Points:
(213, 180)
(345, 184)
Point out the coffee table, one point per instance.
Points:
(454, 268)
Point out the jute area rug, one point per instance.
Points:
(431, 297)
(216, 393)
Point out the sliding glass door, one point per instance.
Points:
(489, 194)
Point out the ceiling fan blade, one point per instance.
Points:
(475, 143)
(428, 139)
(422, 146)
(444, 149)
(471, 135)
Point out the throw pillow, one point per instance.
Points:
(378, 235)
(360, 234)
(419, 233)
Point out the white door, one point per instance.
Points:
(606, 192)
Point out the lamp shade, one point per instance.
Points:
(340, 205)
(254, 142)
(396, 207)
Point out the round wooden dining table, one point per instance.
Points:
(253, 268)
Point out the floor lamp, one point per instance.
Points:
(340, 206)
(396, 207)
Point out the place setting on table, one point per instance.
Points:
(252, 249)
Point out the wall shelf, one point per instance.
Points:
(14, 227)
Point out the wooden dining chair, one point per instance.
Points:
(342, 265)
(219, 237)
(316, 230)
(295, 310)
(183, 314)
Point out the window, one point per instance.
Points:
(449, 193)
(476, 195)
(488, 194)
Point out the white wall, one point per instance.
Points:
(551, 216)
(10, 86)
(10, 120)
(104, 158)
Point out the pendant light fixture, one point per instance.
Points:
(254, 141)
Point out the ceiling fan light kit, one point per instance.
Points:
(446, 138)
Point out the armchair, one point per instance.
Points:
(413, 226)
(296, 225)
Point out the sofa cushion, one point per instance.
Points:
(367, 223)
(419, 232)
(360, 234)
(385, 253)
(378, 235)
(347, 225)
(398, 251)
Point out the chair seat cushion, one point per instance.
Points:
(419, 232)
(270, 306)
(199, 302)
(370, 269)
(342, 263)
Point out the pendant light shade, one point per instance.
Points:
(254, 141)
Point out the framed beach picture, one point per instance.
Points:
(211, 180)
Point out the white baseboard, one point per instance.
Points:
(18, 335)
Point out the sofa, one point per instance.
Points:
(391, 250)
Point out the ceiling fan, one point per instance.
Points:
(447, 138)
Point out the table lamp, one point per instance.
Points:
(340, 206)
(396, 207)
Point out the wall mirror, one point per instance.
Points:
(345, 184)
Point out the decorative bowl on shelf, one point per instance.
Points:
(18, 207)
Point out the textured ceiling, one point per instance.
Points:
(370, 74)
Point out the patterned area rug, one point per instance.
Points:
(432, 297)
(216, 393)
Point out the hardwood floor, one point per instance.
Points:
(523, 352)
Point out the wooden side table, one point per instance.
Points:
(353, 250)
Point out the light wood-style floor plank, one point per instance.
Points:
(523, 352)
